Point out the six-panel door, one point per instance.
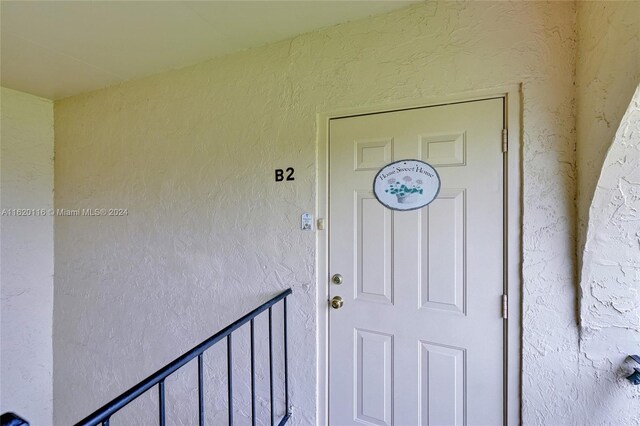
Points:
(419, 339)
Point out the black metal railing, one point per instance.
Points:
(104, 413)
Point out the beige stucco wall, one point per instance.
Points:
(607, 73)
(191, 155)
(608, 162)
(26, 256)
(610, 303)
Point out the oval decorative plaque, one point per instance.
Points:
(406, 185)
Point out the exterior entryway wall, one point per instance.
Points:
(607, 74)
(191, 154)
(610, 303)
(26, 252)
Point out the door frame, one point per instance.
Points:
(512, 95)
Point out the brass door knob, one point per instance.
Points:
(337, 302)
(336, 279)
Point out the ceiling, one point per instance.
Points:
(56, 49)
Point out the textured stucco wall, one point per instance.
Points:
(610, 275)
(607, 73)
(191, 154)
(26, 256)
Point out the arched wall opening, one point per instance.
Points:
(610, 276)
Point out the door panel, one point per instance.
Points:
(419, 340)
(373, 277)
(374, 354)
(442, 242)
(442, 379)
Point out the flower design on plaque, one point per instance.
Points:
(406, 185)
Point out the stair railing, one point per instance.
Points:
(104, 413)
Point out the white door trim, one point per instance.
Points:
(513, 101)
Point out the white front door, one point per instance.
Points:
(419, 339)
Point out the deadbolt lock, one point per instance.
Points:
(337, 302)
(337, 279)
